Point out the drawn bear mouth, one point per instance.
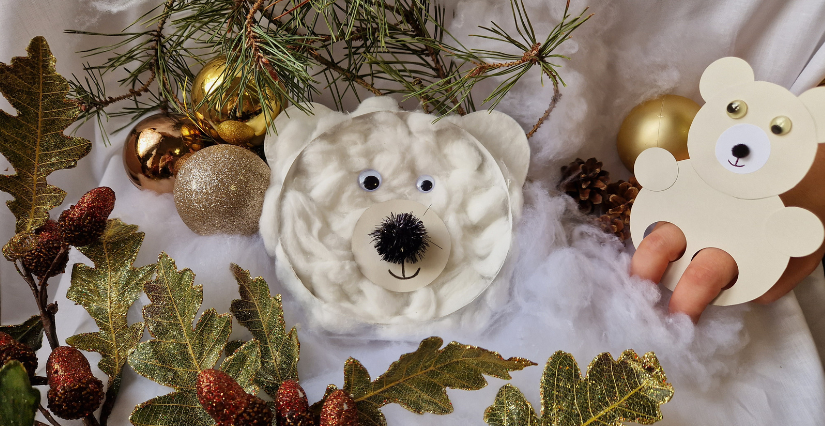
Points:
(736, 164)
(403, 275)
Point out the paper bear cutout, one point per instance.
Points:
(477, 165)
(750, 142)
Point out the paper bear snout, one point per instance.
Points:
(743, 148)
(393, 260)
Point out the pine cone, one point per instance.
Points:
(291, 405)
(339, 410)
(619, 203)
(73, 391)
(586, 182)
(11, 349)
(621, 193)
(615, 225)
(45, 252)
(228, 404)
(84, 222)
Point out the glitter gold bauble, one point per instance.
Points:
(220, 190)
(660, 122)
(248, 122)
(157, 147)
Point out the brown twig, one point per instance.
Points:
(48, 416)
(484, 67)
(252, 39)
(41, 295)
(553, 102)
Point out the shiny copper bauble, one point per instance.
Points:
(660, 122)
(157, 147)
(238, 120)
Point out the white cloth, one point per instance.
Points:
(741, 365)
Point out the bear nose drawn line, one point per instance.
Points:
(401, 239)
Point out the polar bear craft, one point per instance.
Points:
(389, 216)
(750, 142)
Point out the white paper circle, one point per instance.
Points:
(389, 275)
(759, 147)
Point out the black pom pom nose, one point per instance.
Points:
(740, 150)
(401, 238)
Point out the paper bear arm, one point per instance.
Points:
(656, 169)
(794, 231)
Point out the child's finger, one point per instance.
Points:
(664, 245)
(709, 272)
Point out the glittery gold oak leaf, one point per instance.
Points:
(418, 381)
(629, 389)
(33, 140)
(178, 352)
(107, 291)
(263, 316)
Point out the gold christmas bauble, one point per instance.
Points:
(237, 118)
(220, 190)
(156, 148)
(660, 122)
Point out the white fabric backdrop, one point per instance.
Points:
(741, 365)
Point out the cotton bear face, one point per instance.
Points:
(337, 177)
(751, 139)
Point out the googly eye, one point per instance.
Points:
(369, 180)
(425, 183)
(737, 109)
(781, 125)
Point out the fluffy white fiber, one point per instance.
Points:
(311, 211)
(571, 291)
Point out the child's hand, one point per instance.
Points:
(713, 269)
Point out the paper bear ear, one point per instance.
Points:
(814, 100)
(723, 73)
(503, 137)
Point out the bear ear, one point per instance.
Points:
(295, 129)
(503, 137)
(814, 100)
(724, 73)
(376, 103)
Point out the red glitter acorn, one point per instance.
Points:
(39, 259)
(73, 391)
(228, 404)
(291, 404)
(84, 222)
(339, 410)
(11, 349)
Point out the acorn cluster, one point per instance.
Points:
(74, 392)
(11, 349)
(79, 225)
(224, 399)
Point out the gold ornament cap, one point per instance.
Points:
(661, 122)
(236, 118)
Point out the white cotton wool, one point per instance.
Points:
(477, 164)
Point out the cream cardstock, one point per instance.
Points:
(386, 274)
(731, 202)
